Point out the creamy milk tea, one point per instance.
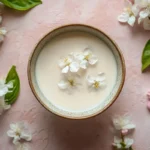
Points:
(66, 57)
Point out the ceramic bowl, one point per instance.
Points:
(111, 97)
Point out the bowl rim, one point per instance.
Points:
(90, 115)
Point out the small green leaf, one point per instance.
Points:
(21, 4)
(146, 56)
(12, 76)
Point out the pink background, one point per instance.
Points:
(54, 133)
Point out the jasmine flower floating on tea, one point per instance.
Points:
(68, 82)
(97, 82)
(68, 64)
(86, 58)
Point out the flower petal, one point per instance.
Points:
(135, 9)
(123, 17)
(117, 142)
(93, 60)
(11, 133)
(146, 24)
(140, 20)
(16, 140)
(21, 146)
(63, 84)
(3, 91)
(25, 136)
(101, 77)
(3, 31)
(131, 21)
(129, 126)
(74, 67)
(13, 126)
(84, 64)
(90, 79)
(61, 63)
(10, 84)
(87, 51)
(65, 70)
(79, 57)
(129, 142)
(143, 14)
(116, 123)
(102, 84)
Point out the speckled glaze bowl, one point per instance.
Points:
(111, 97)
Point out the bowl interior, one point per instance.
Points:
(86, 113)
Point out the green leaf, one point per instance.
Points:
(146, 56)
(12, 76)
(21, 4)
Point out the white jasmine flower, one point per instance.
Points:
(119, 144)
(68, 82)
(123, 123)
(68, 64)
(4, 88)
(3, 105)
(3, 32)
(21, 146)
(19, 131)
(96, 82)
(129, 14)
(86, 58)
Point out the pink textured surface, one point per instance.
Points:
(50, 131)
